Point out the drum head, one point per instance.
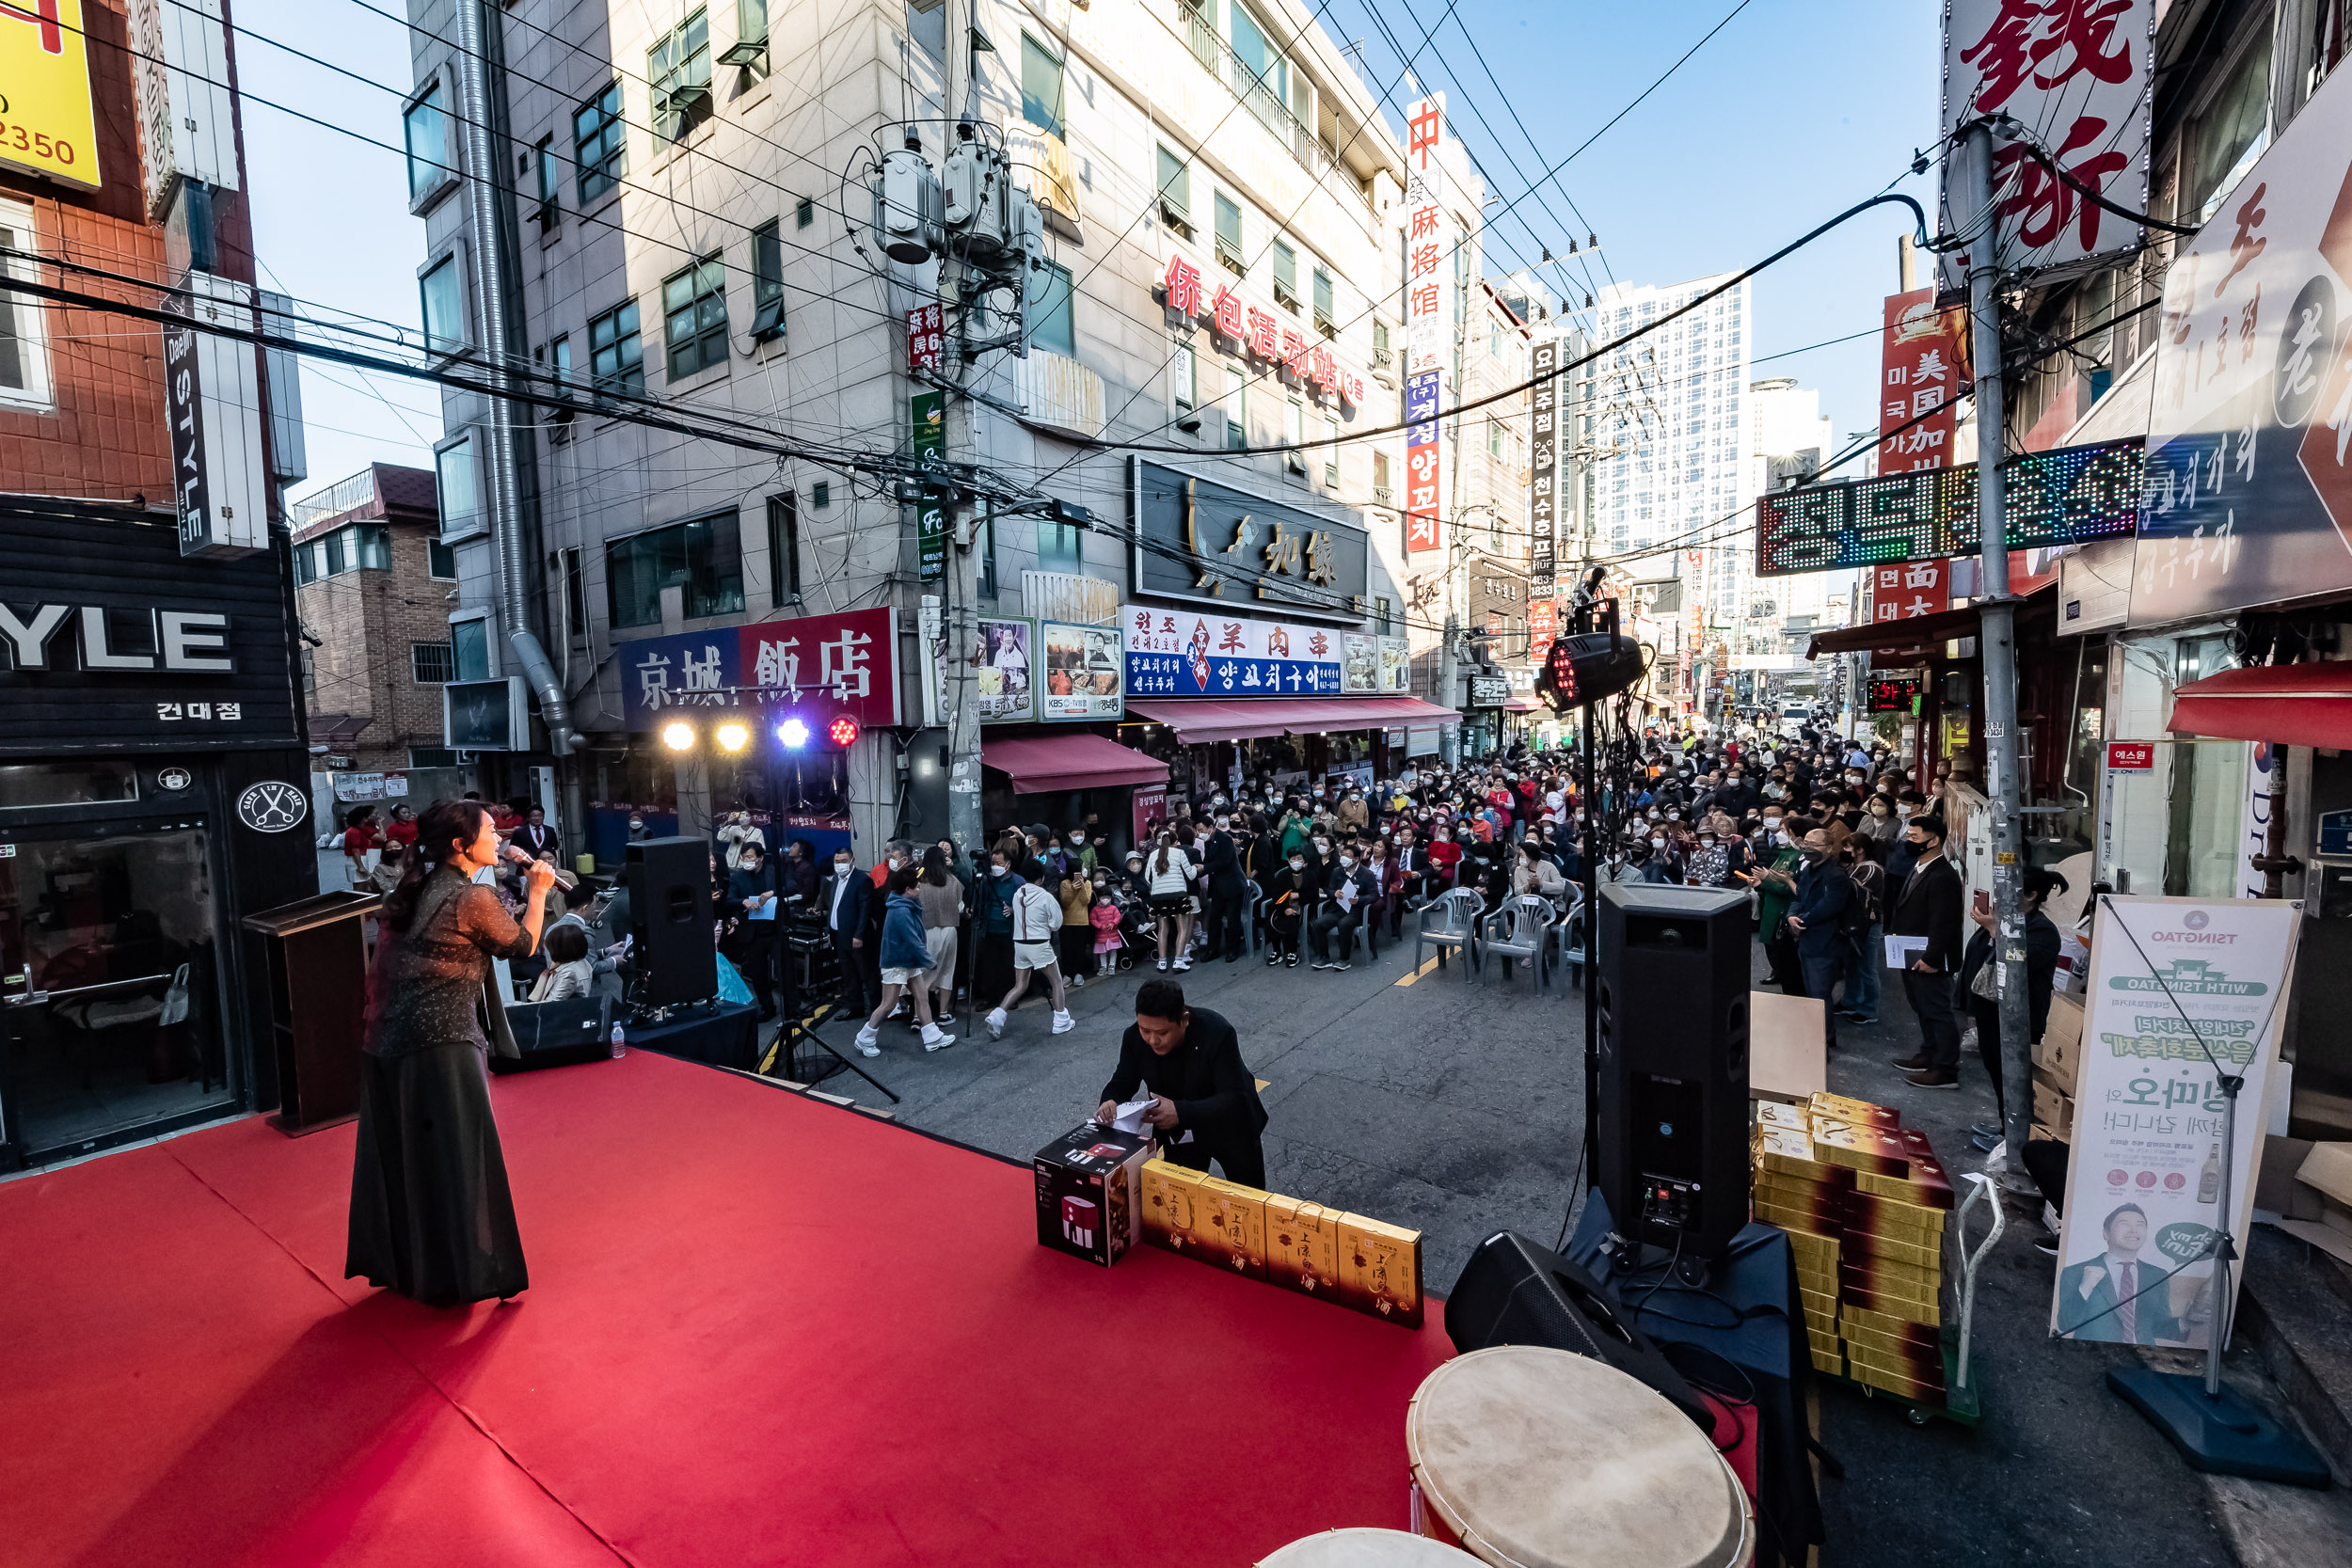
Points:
(1368, 1548)
(1540, 1459)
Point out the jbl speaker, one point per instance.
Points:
(558, 1034)
(1514, 1292)
(1674, 1064)
(669, 912)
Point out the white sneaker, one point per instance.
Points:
(1183, 964)
(868, 1042)
(1063, 1022)
(934, 1039)
(1077, 981)
(1163, 966)
(996, 1023)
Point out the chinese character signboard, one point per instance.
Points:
(45, 93)
(2075, 73)
(1084, 671)
(1923, 365)
(1543, 624)
(1249, 333)
(819, 666)
(1187, 653)
(1909, 589)
(2249, 437)
(2066, 496)
(926, 419)
(1199, 540)
(1428, 335)
(2176, 986)
(1543, 470)
(924, 338)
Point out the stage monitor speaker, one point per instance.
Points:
(1514, 1292)
(669, 912)
(558, 1034)
(1674, 1064)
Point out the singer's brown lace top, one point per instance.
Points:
(424, 988)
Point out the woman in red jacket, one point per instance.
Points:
(1445, 856)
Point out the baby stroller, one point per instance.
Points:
(1137, 933)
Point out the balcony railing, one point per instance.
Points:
(1218, 58)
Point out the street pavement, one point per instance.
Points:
(1456, 1106)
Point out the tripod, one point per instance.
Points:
(801, 1022)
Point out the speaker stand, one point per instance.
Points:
(797, 1031)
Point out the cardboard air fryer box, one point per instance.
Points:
(1090, 1193)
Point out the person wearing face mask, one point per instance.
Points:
(1288, 893)
(1864, 951)
(1353, 815)
(1708, 864)
(1879, 822)
(1817, 915)
(1775, 881)
(1927, 905)
(1653, 856)
(638, 832)
(1170, 871)
(844, 897)
(992, 919)
(1348, 898)
(1224, 892)
(1445, 858)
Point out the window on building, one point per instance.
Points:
(1175, 192)
(702, 557)
(440, 561)
(783, 549)
(1331, 452)
(1380, 486)
(1294, 434)
(1381, 353)
(1236, 409)
(1384, 615)
(371, 546)
(469, 649)
(1327, 317)
(805, 211)
(432, 663)
(1058, 548)
(425, 128)
(1050, 327)
(2229, 135)
(1041, 86)
(1229, 235)
(1186, 373)
(23, 343)
(615, 355)
(695, 317)
(678, 67)
(1494, 530)
(751, 40)
(926, 24)
(550, 202)
(1261, 75)
(768, 281)
(442, 296)
(458, 484)
(575, 594)
(984, 553)
(1285, 275)
(599, 145)
(1494, 440)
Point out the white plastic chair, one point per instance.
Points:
(1450, 920)
(1522, 929)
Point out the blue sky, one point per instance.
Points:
(1794, 111)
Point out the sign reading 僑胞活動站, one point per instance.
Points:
(2177, 985)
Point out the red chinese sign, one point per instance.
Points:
(1909, 589)
(925, 333)
(1256, 335)
(1923, 360)
(1543, 624)
(2075, 71)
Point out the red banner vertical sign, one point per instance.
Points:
(1923, 358)
(1426, 260)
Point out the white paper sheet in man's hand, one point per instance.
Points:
(1132, 1119)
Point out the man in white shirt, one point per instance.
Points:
(1036, 928)
(2119, 1296)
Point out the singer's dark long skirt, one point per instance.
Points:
(431, 1216)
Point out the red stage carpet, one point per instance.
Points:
(760, 1330)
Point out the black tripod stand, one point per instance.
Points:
(801, 1020)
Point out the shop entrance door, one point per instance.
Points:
(108, 983)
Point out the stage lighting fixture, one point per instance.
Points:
(678, 737)
(842, 732)
(1588, 667)
(793, 734)
(733, 737)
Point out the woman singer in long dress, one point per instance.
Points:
(431, 1216)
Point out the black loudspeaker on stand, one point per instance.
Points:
(669, 910)
(1672, 994)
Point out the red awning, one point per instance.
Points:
(1923, 633)
(1518, 701)
(2294, 704)
(1200, 719)
(1078, 760)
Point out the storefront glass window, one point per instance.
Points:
(2205, 847)
(66, 784)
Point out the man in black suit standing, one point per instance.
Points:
(534, 835)
(1204, 1102)
(1226, 891)
(2118, 1295)
(843, 898)
(1928, 907)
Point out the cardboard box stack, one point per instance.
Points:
(1301, 1246)
(1862, 1200)
(2056, 1059)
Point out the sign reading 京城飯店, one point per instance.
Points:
(819, 665)
(2177, 985)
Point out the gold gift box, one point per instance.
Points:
(1380, 1268)
(1232, 1226)
(1861, 1148)
(1172, 1214)
(1302, 1246)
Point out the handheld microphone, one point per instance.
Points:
(562, 878)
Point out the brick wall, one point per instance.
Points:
(365, 621)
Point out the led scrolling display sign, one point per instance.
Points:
(2066, 496)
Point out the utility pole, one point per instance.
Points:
(960, 579)
(1997, 643)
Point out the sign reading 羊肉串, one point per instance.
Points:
(2176, 986)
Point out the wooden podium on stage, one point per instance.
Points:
(318, 982)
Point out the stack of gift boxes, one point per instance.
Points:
(1864, 1200)
(1287, 1241)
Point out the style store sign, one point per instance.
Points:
(1253, 334)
